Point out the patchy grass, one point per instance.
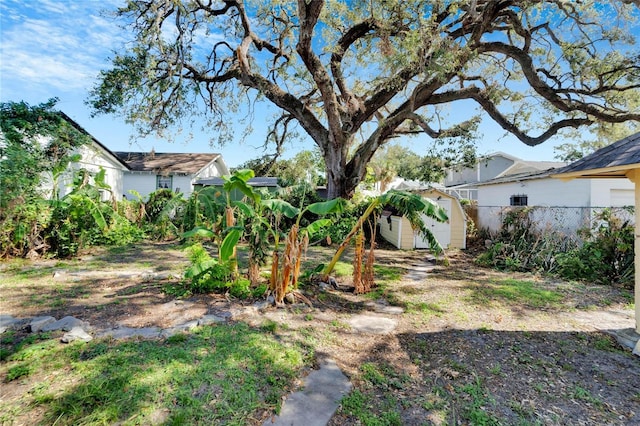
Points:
(509, 290)
(214, 375)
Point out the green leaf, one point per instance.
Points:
(281, 206)
(318, 225)
(200, 267)
(227, 246)
(337, 205)
(199, 231)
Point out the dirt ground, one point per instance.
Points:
(457, 345)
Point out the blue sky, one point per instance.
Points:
(55, 48)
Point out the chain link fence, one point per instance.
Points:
(564, 220)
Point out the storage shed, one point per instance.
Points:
(451, 234)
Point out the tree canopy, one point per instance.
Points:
(353, 75)
(33, 140)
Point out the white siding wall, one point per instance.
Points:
(94, 158)
(554, 193)
(184, 184)
(212, 170)
(143, 182)
(612, 193)
(540, 192)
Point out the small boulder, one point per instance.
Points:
(65, 324)
(76, 333)
(38, 323)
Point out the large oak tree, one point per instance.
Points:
(355, 74)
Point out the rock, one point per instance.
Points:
(38, 323)
(76, 333)
(168, 332)
(9, 322)
(128, 332)
(333, 283)
(211, 319)
(290, 298)
(318, 400)
(636, 350)
(372, 324)
(65, 324)
(261, 305)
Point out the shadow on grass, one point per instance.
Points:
(497, 377)
(214, 375)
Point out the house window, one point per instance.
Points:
(164, 182)
(518, 200)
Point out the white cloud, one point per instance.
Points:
(56, 44)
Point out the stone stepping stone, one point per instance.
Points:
(372, 324)
(76, 333)
(129, 332)
(318, 400)
(65, 324)
(38, 323)
(9, 322)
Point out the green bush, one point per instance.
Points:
(164, 214)
(607, 254)
(207, 274)
(22, 229)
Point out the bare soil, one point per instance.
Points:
(460, 350)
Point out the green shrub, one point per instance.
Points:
(208, 275)
(607, 254)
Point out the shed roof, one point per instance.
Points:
(613, 161)
(161, 162)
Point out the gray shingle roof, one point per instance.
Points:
(612, 160)
(170, 163)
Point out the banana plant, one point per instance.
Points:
(227, 250)
(411, 206)
(285, 268)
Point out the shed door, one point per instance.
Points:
(442, 231)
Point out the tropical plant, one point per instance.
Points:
(37, 144)
(163, 211)
(82, 219)
(607, 253)
(411, 206)
(285, 266)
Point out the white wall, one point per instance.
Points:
(143, 182)
(93, 158)
(493, 200)
(612, 193)
(213, 169)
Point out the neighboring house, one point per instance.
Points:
(569, 204)
(461, 181)
(93, 157)
(268, 183)
(451, 234)
(150, 171)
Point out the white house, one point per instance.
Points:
(570, 204)
(149, 171)
(461, 180)
(93, 157)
